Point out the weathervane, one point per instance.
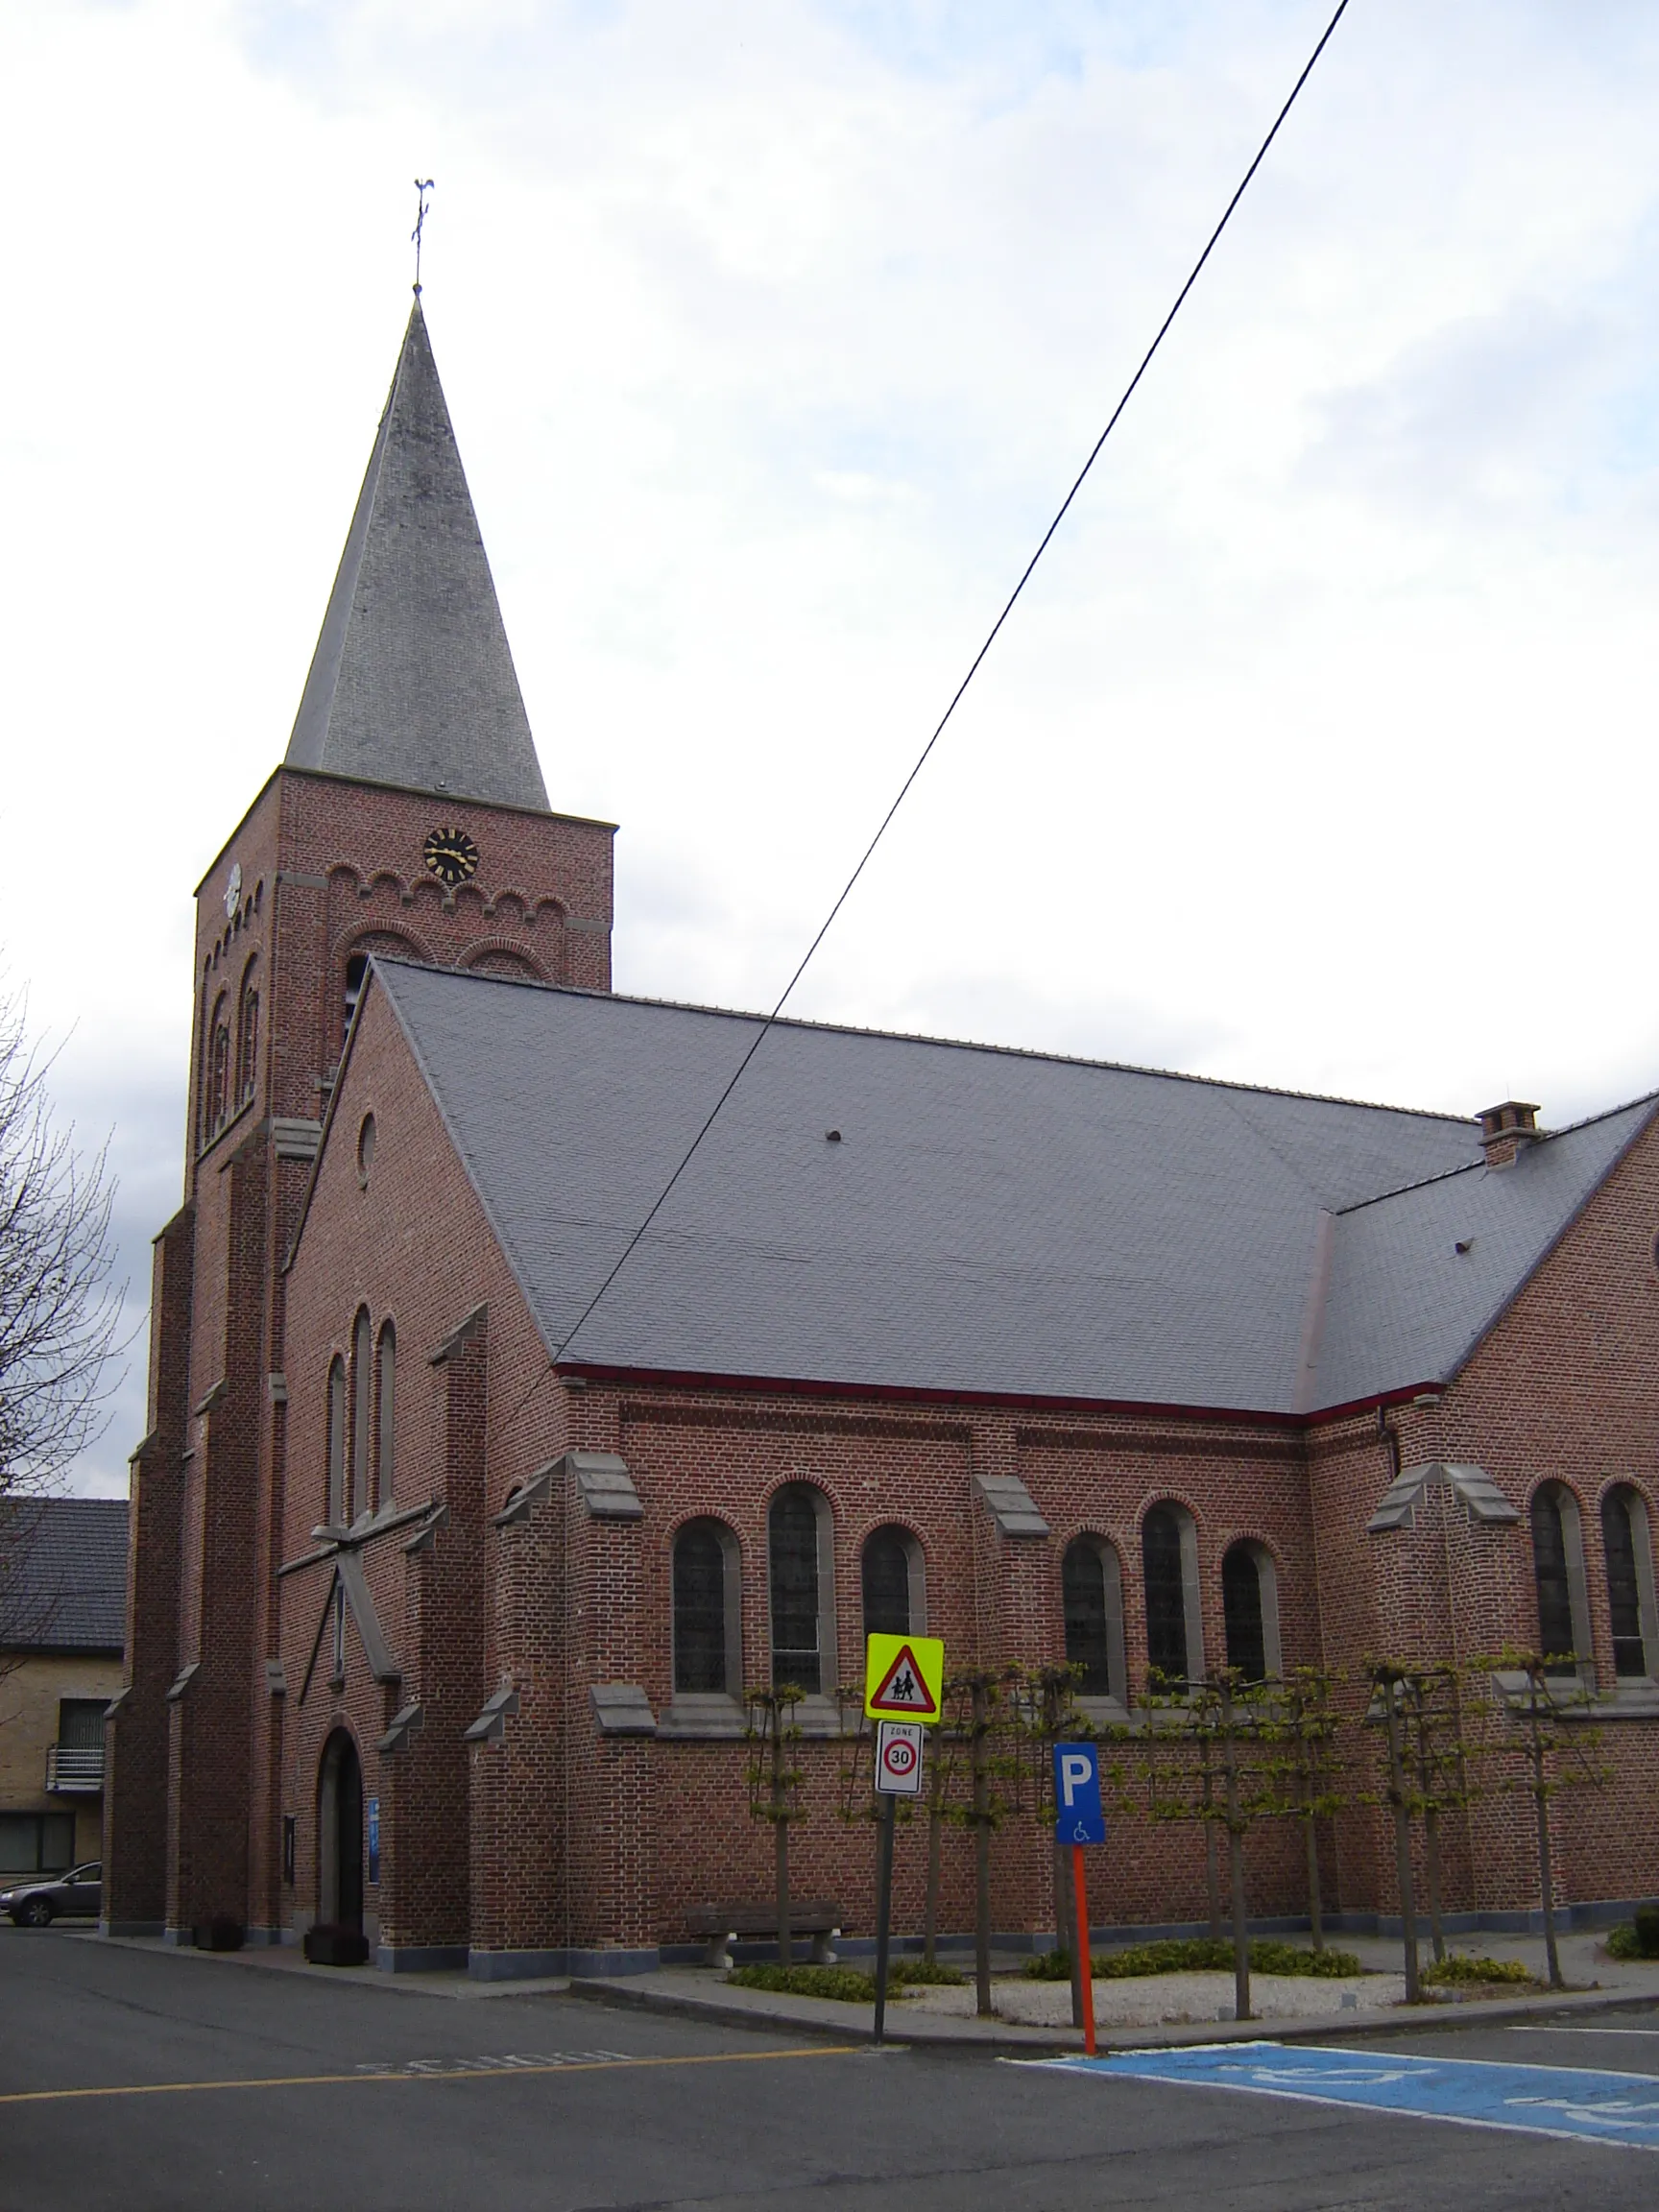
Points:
(422, 185)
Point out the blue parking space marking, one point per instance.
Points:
(1567, 2102)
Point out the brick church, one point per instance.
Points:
(442, 1607)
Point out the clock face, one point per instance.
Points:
(451, 855)
(233, 891)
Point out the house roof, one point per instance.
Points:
(64, 1575)
(412, 681)
(990, 1221)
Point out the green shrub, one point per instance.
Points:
(1198, 1953)
(917, 1974)
(1624, 1942)
(1646, 1926)
(1270, 1957)
(1048, 1966)
(843, 1983)
(1458, 1972)
(848, 1984)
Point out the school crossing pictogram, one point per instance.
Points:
(903, 1677)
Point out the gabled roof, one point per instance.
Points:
(1418, 1276)
(64, 1575)
(990, 1221)
(412, 681)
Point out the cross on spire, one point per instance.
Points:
(422, 185)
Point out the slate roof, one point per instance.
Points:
(412, 681)
(991, 1222)
(64, 1575)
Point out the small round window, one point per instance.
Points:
(365, 1149)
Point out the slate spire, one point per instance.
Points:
(412, 681)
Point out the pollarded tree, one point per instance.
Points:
(774, 1780)
(1548, 1747)
(1209, 1755)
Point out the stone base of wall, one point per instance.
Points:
(422, 1958)
(1601, 1912)
(133, 1931)
(527, 1965)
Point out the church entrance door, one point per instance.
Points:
(340, 1822)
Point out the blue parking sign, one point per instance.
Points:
(1078, 1814)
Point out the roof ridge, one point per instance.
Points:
(942, 1044)
(1543, 1137)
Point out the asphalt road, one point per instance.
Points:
(133, 2080)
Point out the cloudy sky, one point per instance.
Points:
(1319, 754)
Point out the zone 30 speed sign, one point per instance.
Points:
(899, 1758)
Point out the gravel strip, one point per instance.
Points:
(1170, 2000)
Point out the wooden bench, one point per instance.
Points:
(722, 1923)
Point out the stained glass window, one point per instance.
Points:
(793, 1547)
(700, 1551)
(1619, 1525)
(887, 1584)
(1555, 1639)
(1165, 1585)
(1242, 1611)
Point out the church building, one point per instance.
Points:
(446, 1582)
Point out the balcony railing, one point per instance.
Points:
(72, 1772)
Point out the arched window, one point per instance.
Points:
(336, 1505)
(361, 1377)
(1250, 1610)
(218, 1096)
(707, 1652)
(246, 1037)
(1628, 1548)
(385, 1414)
(356, 967)
(1168, 1564)
(803, 1607)
(1558, 1578)
(891, 1574)
(1091, 1592)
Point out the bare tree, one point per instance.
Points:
(59, 1309)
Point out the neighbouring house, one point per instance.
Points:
(447, 1590)
(63, 1627)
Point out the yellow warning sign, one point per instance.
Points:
(903, 1677)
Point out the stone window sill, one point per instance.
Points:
(711, 1716)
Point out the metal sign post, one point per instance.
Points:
(898, 1774)
(1079, 1821)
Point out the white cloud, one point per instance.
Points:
(1319, 753)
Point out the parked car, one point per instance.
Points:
(37, 1904)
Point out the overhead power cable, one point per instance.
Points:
(922, 758)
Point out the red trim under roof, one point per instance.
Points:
(893, 1393)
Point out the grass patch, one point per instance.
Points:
(1198, 1953)
(917, 1974)
(843, 1983)
(1460, 1973)
(846, 1984)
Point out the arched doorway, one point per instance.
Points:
(340, 1834)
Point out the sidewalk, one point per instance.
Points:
(1160, 2010)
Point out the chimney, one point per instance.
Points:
(1506, 1131)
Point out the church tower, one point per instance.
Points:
(408, 817)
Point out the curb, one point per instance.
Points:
(996, 2043)
(1327, 2028)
